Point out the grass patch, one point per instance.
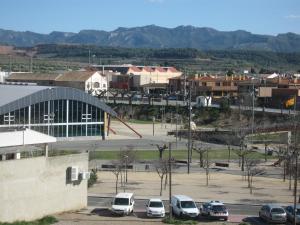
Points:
(178, 221)
(44, 221)
(220, 154)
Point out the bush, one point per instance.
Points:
(93, 178)
(44, 221)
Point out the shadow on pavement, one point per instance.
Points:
(105, 213)
(254, 220)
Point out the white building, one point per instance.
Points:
(3, 75)
(92, 82)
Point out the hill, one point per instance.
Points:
(159, 37)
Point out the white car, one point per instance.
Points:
(155, 208)
(123, 204)
(184, 206)
(215, 209)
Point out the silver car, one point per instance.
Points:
(272, 213)
(290, 213)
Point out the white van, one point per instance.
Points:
(184, 206)
(122, 204)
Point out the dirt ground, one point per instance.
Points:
(225, 187)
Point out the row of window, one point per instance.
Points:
(73, 130)
(54, 112)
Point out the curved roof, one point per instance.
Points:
(13, 97)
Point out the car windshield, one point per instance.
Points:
(219, 208)
(156, 204)
(188, 204)
(277, 210)
(121, 201)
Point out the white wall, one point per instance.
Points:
(96, 78)
(25, 137)
(35, 187)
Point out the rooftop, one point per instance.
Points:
(32, 76)
(75, 76)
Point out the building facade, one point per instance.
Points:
(55, 111)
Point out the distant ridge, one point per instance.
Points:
(159, 37)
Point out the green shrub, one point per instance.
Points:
(93, 178)
(44, 221)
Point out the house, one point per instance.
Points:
(44, 79)
(92, 82)
(133, 77)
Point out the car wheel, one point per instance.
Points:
(180, 215)
(226, 218)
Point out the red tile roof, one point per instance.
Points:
(159, 69)
(171, 69)
(135, 69)
(148, 69)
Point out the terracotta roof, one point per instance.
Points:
(159, 69)
(32, 77)
(75, 76)
(171, 69)
(135, 69)
(148, 69)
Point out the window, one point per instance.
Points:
(96, 85)
(104, 85)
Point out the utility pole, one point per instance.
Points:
(89, 57)
(153, 121)
(253, 93)
(184, 93)
(296, 163)
(10, 64)
(176, 122)
(189, 137)
(30, 64)
(170, 181)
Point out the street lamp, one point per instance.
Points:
(126, 158)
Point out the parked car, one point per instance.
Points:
(214, 209)
(272, 213)
(123, 204)
(290, 213)
(184, 206)
(155, 208)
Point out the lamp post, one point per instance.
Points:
(190, 134)
(126, 158)
(153, 121)
(170, 181)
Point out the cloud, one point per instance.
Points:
(292, 16)
(156, 1)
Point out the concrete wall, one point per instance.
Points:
(36, 187)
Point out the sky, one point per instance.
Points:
(256, 16)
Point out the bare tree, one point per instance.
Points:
(207, 165)
(116, 171)
(127, 156)
(200, 149)
(161, 168)
(252, 171)
(161, 149)
(242, 151)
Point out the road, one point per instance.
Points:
(182, 103)
(115, 145)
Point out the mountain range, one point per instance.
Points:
(159, 37)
